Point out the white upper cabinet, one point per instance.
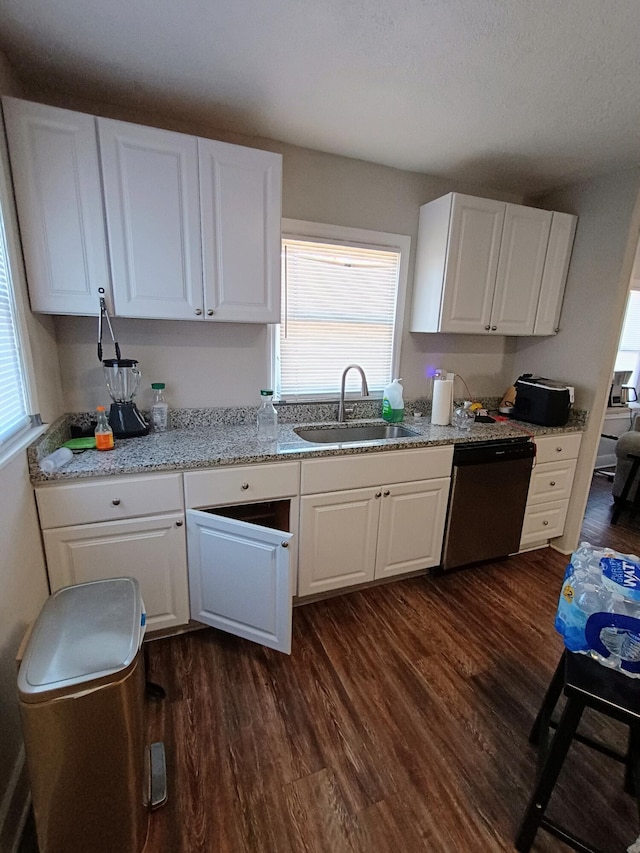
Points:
(56, 176)
(240, 197)
(152, 206)
(481, 264)
(180, 228)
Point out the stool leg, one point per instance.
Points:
(554, 691)
(549, 775)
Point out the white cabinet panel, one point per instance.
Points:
(56, 175)
(152, 550)
(240, 194)
(551, 448)
(241, 484)
(151, 197)
(543, 522)
(551, 481)
(239, 578)
(556, 266)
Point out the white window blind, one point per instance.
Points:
(338, 308)
(630, 338)
(13, 406)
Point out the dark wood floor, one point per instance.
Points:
(399, 723)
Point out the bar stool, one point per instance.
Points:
(586, 684)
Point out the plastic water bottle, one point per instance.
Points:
(267, 418)
(159, 408)
(56, 460)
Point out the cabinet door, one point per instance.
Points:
(522, 254)
(554, 277)
(153, 216)
(411, 526)
(472, 261)
(338, 536)
(56, 175)
(240, 194)
(239, 578)
(152, 550)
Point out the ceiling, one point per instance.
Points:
(520, 95)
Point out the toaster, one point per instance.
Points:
(542, 401)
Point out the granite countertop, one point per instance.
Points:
(205, 442)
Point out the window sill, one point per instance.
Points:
(19, 444)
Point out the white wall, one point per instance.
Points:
(23, 584)
(583, 351)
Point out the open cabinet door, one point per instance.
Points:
(239, 578)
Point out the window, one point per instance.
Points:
(628, 358)
(15, 404)
(342, 303)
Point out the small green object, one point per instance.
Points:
(158, 386)
(266, 393)
(77, 445)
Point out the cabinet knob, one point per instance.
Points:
(545, 523)
(285, 544)
(178, 524)
(378, 494)
(487, 328)
(552, 483)
(116, 501)
(558, 450)
(494, 328)
(210, 312)
(198, 311)
(386, 493)
(244, 487)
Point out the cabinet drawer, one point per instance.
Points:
(543, 522)
(108, 499)
(358, 472)
(551, 481)
(242, 484)
(550, 448)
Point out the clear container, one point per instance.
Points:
(103, 432)
(159, 408)
(463, 417)
(54, 461)
(267, 418)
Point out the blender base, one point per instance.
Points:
(126, 421)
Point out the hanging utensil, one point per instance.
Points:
(104, 313)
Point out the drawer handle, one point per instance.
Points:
(552, 483)
(386, 493)
(116, 501)
(545, 523)
(285, 544)
(558, 450)
(378, 494)
(178, 524)
(244, 487)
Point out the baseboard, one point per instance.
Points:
(14, 807)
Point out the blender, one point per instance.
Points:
(123, 380)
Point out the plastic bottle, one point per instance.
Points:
(159, 409)
(463, 417)
(55, 461)
(392, 402)
(103, 432)
(267, 419)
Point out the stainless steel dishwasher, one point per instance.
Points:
(488, 497)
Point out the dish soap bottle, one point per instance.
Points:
(267, 419)
(392, 402)
(103, 432)
(159, 408)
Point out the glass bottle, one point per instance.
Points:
(159, 408)
(267, 418)
(103, 432)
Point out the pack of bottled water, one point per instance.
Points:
(599, 608)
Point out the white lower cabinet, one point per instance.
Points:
(549, 489)
(241, 549)
(102, 529)
(387, 527)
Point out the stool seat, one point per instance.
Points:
(585, 683)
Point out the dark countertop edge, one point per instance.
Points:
(487, 432)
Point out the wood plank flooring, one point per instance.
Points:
(399, 723)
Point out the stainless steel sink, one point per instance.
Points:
(343, 434)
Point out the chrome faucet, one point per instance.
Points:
(365, 388)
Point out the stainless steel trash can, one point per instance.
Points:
(81, 689)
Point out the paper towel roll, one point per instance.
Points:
(441, 403)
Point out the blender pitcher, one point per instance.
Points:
(123, 379)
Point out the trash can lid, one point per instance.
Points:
(84, 632)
